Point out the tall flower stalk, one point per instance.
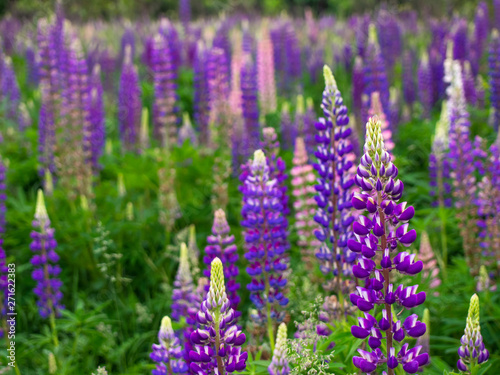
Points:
(335, 168)
(46, 270)
(262, 216)
(221, 245)
(279, 364)
(380, 232)
(472, 352)
(265, 71)
(168, 352)
(218, 341)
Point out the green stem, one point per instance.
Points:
(270, 330)
(54, 328)
(444, 241)
(220, 365)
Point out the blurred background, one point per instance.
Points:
(112, 9)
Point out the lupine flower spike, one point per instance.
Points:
(44, 262)
(218, 340)
(335, 168)
(381, 231)
(279, 364)
(168, 353)
(221, 245)
(472, 351)
(263, 214)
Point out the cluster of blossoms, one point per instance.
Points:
(380, 232)
(303, 191)
(472, 351)
(221, 245)
(218, 340)
(44, 262)
(263, 218)
(168, 353)
(336, 170)
(279, 364)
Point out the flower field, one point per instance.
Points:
(242, 194)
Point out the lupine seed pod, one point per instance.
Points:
(221, 245)
(262, 214)
(494, 74)
(44, 262)
(218, 339)
(265, 71)
(165, 100)
(472, 351)
(335, 168)
(129, 104)
(381, 231)
(279, 363)
(168, 353)
(303, 179)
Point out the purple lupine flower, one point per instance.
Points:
(97, 131)
(218, 341)
(425, 85)
(262, 215)
(461, 161)
(389, 36)
(279, 364)
(250, 106)
(169, 32)
(288, 129)
(32, 74)
(309, 129)
(496, 14)
(408, 78)
(129, 105)
(278, 41)
(494, 74)
(201, 100)
(218, 82)
(472, 351)
(165, 109)
(221, 245)
(439, 164)
(265, 71)
(335, 168)
(469, 84)
(358, 85)
(186, 132)
(375, 76)
(168, 353)
(460, 41)
(185, 11)
(436, 61)
(293, 67)
(185, 300)
(46, 137)
(44, 262)
(222, 41)
(481, 31)
(488, 205)
(127, 42)
(10, 93)
(382, 230)
(304, 203)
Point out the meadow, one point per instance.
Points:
(244, 194)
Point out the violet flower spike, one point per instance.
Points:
(381, 231)
(262, 215)
(45, 268)
(472, 352)
(218, 340)
(168, 353)
(221, 245)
